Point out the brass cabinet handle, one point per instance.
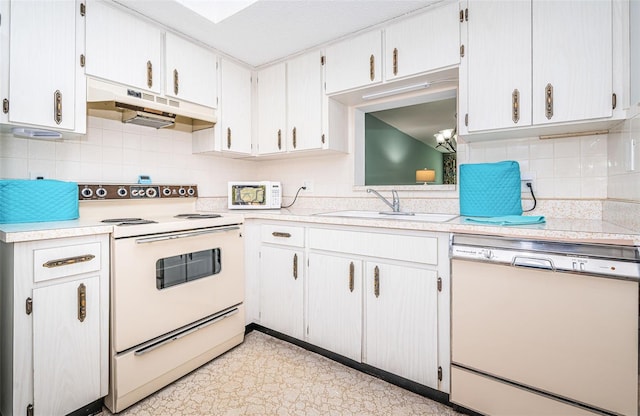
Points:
(175, 82)
(372, 70)
(515, 106)
(5, 106)
(548, 95)
(295, 266)
(294, 138)
(149, 74)
(82, 302)
(376, 281)
(461, 51)
(57, 106)
(279, 139)
(280, 234)
(395, 61)
(352, 271)
(228, 137)
(69, 260)
(322, 139)
(614, 101)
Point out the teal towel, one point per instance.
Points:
(507, 220)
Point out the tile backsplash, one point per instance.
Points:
(570, 168)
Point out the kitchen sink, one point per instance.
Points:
(402, 216)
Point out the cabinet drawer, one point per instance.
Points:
(282, 234)
(55, 262)
(492, 397)
(390, 246)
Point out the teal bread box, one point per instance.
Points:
(24, 200)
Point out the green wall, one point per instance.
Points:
(392, 157)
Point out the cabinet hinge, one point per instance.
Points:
(322, 139)
(466, 14)
(82, 60)
(461, 15)
(466, 119)
(322, 60)
(83, 9)
(614, 100)
(439, 373)
(307, 329)
(439, 284)
(5, 106)
(30, 410)
(28, 306)
(462, 51)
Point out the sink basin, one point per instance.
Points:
(423, 217)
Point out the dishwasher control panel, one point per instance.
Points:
(549, 261)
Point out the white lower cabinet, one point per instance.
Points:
(55, 321)
(375, 297)
(281, 280)
(401, 321)
(334, 304)
(66, 350)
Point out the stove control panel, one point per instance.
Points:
(88, 192)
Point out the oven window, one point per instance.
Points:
(183, 268)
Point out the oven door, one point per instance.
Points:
(165, 281)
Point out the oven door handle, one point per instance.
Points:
(185, 235)
(175, 336)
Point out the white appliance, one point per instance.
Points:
(254, 195)
(544, 328)
(177, 285)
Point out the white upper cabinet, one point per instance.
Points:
(122, 48)
(190, 71)
(536, 63)
(354, 62)
(304, 102)
(44, 63)
(272, 107)
(498, 55)
(235, 107)
(572, 60)
(423, 43)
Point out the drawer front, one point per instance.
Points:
(492, 397)
(389, 246)
(283, 234)
(56, 262)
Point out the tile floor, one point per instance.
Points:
(267, 376)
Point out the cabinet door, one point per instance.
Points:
(42, 63)
(66, 351)
(423, 43)
(334, 311)
(401, 321)
(281, 290)
(235, 107)
(190, 71)
(572, 44)
(304, 102)
(121, 47)
(498, 59)
(354, 63)
(272, 110)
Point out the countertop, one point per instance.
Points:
(553, 229)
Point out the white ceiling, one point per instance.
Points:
(270, 30)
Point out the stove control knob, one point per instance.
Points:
(86, 192)
(166, 191)
(182, 191)
(122, 191)
(101, 192)
(151, 192)
(191, 192)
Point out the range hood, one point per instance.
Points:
(147, 109)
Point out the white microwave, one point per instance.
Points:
(254, 195)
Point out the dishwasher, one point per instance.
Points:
(544, 328)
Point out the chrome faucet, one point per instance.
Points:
(395, 205)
